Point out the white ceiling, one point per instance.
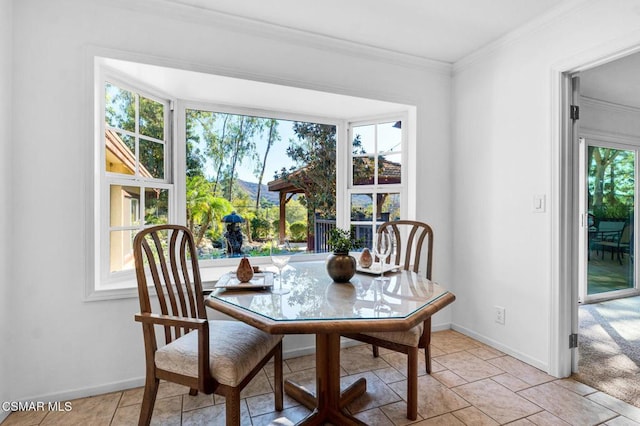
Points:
(442, 30)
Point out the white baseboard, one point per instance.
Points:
(502, 348)
(139, 381)
(69, 395)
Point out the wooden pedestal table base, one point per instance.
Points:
(328, 403)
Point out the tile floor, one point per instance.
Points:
(471, 384)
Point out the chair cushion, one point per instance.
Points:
(235, 349)
(409, 338)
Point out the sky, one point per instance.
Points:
(277, 159)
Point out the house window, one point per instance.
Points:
(136, 190)
(377, 176)
(291, 177)
(253, 182)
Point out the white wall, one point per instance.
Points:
(6, 31)
(503, 154)
(68, 347)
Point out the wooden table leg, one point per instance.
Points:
(329, 402)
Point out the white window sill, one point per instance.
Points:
(210, 272)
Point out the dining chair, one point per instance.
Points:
(411, 237)
(216, 356)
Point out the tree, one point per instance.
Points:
(242, 129)
(611, 182)
(273, 137)
(314, 156)
(203, 208)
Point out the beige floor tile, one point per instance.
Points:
(485, 352)
(167, 411)
(287, 417)
(448, 378)
(522, 422)
(214, 416)
(510, 382)
(263, 404)
(621, 407)
(269, 371)
(305, 378)
(545, 418)
(443, 420)
(359, 359)
(24, 418)
(397, 413)
(435, 367)
(389, 375)
(468, 366)
(96, 410)
(621, 421)
(434, 398)
(577, 387)
(200, 400)
(259, 385)
(473, 416)
(495, 400)
(378, 392)
(450, 341)
(399, 361)
(127, 415)
(435, 351)
(301, 362)
(374, 416)
(132, 396)
(513, 397)
(567, 405)
(521, 370)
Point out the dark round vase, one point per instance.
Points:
(341, 267)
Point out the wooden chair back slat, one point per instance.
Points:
(409, 254)
(169, 253)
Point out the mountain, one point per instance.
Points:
(251, 188)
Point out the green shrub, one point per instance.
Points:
(260, 228)
(298, 231)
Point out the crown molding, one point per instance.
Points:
(534, 26)
(262, 29)
(606, 105)
(605, 136)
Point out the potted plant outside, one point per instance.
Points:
(340, 265)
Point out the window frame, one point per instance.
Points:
(95, 288)
(180, 172)
(375, 188)
(107, 282)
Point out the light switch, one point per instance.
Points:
(539, 203)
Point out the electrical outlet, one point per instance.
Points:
(500, 313)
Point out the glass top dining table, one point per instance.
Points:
(317, 305)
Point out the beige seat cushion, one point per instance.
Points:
(235, 349)
(409, 338)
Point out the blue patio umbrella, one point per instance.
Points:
(232, 218)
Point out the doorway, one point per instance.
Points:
(604, 162)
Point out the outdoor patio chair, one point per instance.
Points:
(619, 245)
(408, 255)
(208, 356)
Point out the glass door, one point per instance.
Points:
(608, 220)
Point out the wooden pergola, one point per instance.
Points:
(286, 190)
(389, 172)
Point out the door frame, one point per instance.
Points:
(563, 321)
